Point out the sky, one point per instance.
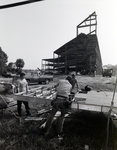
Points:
(34, 31)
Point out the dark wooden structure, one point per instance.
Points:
(81, 54)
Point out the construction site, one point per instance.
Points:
(81, 54)
(91, 121)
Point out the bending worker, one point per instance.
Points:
(60, 103)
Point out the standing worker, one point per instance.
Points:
(60, 103)
(22, 87)
(75, 86)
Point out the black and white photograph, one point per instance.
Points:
(58, 75)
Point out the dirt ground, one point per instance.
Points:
(80, 129)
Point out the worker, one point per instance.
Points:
(75, 86)
(60, 103)
(22, 87)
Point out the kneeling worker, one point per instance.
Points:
(59, 104)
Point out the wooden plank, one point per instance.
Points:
(29, 91)
(37, 89)
(34, 119)
(91, 107)
(32, 99)
(43, 111)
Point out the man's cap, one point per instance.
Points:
(22, 74)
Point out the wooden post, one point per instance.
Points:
(109, 115)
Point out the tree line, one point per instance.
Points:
(13, 67)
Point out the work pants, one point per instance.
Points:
(59, 105)
(19, 104)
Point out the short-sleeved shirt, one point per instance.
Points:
(64, 88)
(22, 85)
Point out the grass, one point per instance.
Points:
(80, 129)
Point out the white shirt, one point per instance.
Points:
(64, 88)
(22, 85)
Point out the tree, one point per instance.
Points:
(11, 67)
(19, 64)
(3, 61)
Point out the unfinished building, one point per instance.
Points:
(81, 54)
